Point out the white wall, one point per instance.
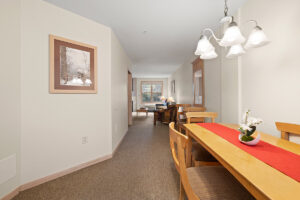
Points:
(48, 128)
(134, 99)
(53, 124)
(120, 63)
(138, 89)
(271, 74)
(265, 80)
(183, 76)
(213, 85)
(10, 95)
(184, 93)
(230, 101)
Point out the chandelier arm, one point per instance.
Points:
(250, 21)
(212, 33)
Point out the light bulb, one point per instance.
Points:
(203, 46)
(235, 50)
(232, 36)
(257, 38)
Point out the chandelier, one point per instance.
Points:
(232, 39)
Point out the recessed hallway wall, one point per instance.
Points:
(49, 128)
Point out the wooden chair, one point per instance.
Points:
(174, 135)
(194, 109)
(199, 155)
(194, 116)
(189, 109)
(205, 182)
(286, 129)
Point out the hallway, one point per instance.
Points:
(142, 168)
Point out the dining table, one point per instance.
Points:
(259, 178)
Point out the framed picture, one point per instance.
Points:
(73, 66)
(173, 87)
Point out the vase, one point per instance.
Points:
(252, 142)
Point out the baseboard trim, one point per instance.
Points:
(120, 142)
(63, 173)
(51, 177)
(12, 194)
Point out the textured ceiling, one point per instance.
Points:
(158, 35)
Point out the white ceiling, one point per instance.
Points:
(158, 35)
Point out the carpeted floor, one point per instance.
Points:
(142, 169)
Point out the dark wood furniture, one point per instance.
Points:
(165, 115)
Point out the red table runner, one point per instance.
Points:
(278, 158)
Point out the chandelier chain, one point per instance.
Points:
(225, 8)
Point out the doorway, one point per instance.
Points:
(129, 92)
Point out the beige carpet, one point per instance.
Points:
(142, 168)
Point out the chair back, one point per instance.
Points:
(182, 141)
(174, 135)
(191, 116)
(178, 113)
(286, 129)
(194, 109)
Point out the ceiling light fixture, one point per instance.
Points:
(232, 38)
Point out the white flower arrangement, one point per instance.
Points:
(248, 126)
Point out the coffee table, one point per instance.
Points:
(142, 110)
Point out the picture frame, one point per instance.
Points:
(73, 66)
(173, 86)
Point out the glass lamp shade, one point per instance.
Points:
(162, 98)
(257, 38)
(170, 100)
(235, 50)
(203, 46)
(209, 55)
(232, 36)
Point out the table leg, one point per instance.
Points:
(188, 151)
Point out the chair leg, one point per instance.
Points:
(181, 195)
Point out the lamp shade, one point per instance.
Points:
(203, 46)
(209, 55)
(162, 98)
(257, 38)
(235, 50)
(170, 100)
(232, 36)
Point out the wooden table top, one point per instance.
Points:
(262, 180)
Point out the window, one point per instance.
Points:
(151, 91)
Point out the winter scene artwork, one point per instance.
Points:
(72, 66)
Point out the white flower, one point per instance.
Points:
(245, 127)
(249, 122)
(253, 121)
